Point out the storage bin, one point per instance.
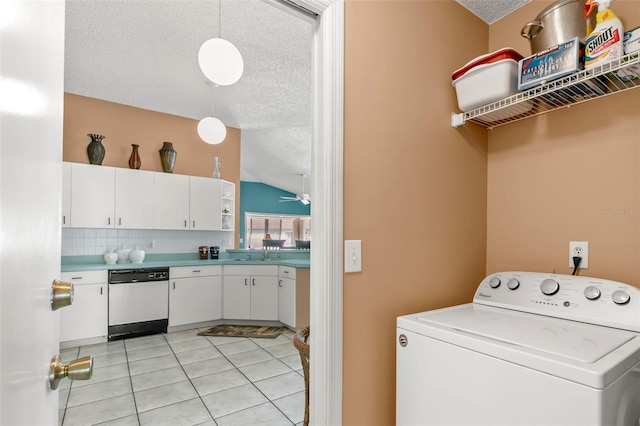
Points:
(486, 79)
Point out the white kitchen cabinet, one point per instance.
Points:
(171, 201)
(250, 292)
(293, 296)
(134, 193)
(108, 197)
(86, 318)
(195, 294)
(92, 196)
(66, 195)
(205, 204)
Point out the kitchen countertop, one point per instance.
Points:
(93, 263)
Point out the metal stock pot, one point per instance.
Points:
(559, 22)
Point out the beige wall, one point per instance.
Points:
(414, 188)
(571, 175)
(123, 125)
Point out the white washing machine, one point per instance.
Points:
(532, 349)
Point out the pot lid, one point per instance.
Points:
(489, 58)
(554, 6)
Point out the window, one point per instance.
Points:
(261, 226)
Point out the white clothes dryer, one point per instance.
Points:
(532, 349)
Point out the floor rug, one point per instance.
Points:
(229, 330)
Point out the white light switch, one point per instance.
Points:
(352, 256)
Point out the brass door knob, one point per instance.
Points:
(61, 294)
(79, 369)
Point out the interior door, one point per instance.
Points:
(31, 107)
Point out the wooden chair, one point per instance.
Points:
(301, 342)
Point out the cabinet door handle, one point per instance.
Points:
(194, 223)
(64, 220)
(279, 283)
(185, 223)
(108, 221)
(76, 278)
(245, 281)
(196, 270)
(253, 281)
(120, 221)
(285, 272)
(100, 290)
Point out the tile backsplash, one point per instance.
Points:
(91, 241)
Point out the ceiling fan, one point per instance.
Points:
(302, 197)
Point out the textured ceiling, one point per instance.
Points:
(492, 10)
(144, 54)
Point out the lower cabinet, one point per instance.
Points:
(293, 296)
(86, 317)
(195, 294)
(250, 292)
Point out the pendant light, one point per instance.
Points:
(219, 60)
(211, 129)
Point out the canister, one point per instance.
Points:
(204, 252)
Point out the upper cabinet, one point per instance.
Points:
(171, 201)
(616, 76)
(92, 196)
(205, 204)
(66, 195)
(134, 199)
(108, 197)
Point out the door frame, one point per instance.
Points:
(326, 275)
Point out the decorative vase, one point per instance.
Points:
(134, 160)
(168, 157)
(95, 149)
(216, 169)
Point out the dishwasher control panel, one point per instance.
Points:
(121, 276)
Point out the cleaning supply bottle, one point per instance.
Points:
(605, 42)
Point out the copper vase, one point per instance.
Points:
(134, 159)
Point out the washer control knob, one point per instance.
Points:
(591, 293)
(549, 287)
(513, 284)
(620, 297)
(494, 282)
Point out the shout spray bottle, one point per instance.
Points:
(605, 42)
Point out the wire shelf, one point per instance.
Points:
(616, 76)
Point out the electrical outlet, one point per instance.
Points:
(579, 248)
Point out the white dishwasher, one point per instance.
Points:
(532, 349)
(138, 302)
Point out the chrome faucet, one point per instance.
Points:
(264, 253)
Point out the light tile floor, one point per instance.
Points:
(185, 379)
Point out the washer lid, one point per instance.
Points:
(588, 354)
(569, 339)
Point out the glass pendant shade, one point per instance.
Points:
(211, 130)
(220, 61)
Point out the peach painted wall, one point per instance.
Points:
(123, 125)
(571, 175)
(414, 188)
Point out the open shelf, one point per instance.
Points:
(616, 76)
